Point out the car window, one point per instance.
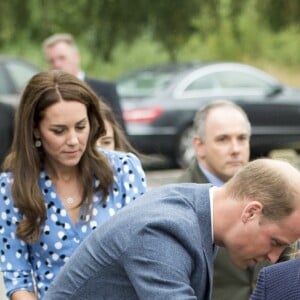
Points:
(227, 80)
(235, 79)
(203, 83)
(20, 73)
(5, 86)
(143, 84)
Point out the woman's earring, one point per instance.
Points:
(38, 143)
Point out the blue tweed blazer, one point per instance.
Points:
(159, 247)
(279, 282)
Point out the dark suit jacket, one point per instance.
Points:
(6, 129)
(108, 92)
(230, 282)
(279, 282)
(159, 247)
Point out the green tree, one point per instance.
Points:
(279, 14)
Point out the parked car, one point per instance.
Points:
(14, 74)
(160, 102)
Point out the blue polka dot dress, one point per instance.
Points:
(60, 237)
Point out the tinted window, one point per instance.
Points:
(227, 80)
(143, 84)
(234, 79)
(203, 83)
(5, 87)
(20, 73)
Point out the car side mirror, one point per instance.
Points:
(274, 90)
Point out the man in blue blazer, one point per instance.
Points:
(62, 53)
(163, 245)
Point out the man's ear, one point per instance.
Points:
(199, 147)
(252, 210)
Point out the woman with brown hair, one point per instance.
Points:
(58, 187)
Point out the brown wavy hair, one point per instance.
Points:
(26, 161)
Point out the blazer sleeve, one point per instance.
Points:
(162, 271)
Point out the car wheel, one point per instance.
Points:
(185, 150)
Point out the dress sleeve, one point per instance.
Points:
(129, 177)
(259, 291)
(14, 259)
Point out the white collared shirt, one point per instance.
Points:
(214, 180)
(81, 75)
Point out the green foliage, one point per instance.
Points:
(127, 58)
(284, 49)
(118, 36)
(113, 22)
(170, 23)
(279, 14)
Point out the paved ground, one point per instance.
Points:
(2, 292)
(159, 177)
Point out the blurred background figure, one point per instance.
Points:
(6, 129)
(114, 139)
(222, 147)
(62, 53)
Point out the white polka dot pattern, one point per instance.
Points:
(60, 237)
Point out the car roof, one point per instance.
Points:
(5, 58)
(180, 69)
(168, 67)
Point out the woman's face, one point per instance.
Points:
(64, 132)
(108, 140)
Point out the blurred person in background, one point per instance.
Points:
(222, 147)
(58, 186)
(114, 138)
(62, 53)
(7, 113)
